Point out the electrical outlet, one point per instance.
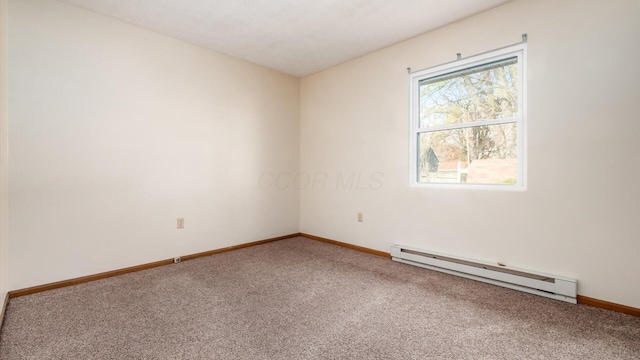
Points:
(180, 223)
(359, 217)
(177, 259)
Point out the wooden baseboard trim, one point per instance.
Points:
(64, 283)
(347, 245)
(238, 247)
(35, 289)
(581, 299)
(84, 279)
(608, 305)
(4, 308)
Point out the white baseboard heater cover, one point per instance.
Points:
(531, 282)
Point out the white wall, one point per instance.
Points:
(4, 175)
(115, 131)
(580, 214)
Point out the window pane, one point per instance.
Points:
(488, 91)
(473, 155)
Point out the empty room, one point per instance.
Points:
(330, 179)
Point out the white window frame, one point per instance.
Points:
(519, 51)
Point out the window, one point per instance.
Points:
(468, 122)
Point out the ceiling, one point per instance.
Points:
(296, 37)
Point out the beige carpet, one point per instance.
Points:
(301, 299)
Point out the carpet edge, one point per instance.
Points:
(602, 304)
(585, 300)
(103, 275)
(347, 245)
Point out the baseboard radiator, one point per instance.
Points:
(531, 282)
